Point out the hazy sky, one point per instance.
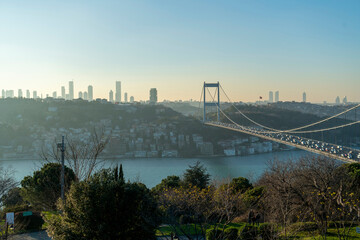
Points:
(250, 46)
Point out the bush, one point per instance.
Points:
(105, 207)
(248, 232)
(43, 189)
(17, 208)
(33, 222)
(231, 233)
(341, 224)
(303, 227)
(268, 231)
(185, 219)
(213, 234)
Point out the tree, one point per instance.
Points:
(240, 184)
(168, 182)
(81, 155)
(12, 197)
(189, 208)
(43, 189)
(196, 175)
(7, 182)
(105, 207)
(312, 189)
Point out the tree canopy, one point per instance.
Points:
(105, 207)
(197, 175)
(43, 189)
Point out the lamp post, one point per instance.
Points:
(61, 146)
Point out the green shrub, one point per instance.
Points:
(303, 227)
(231, 233)
(27, 223)
(268, 231)
(213, 234)
(16, 208)
(248, 232)
(340, 224)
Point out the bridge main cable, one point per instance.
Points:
(294, 130)
(309, 131)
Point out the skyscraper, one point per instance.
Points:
(111, 96)
(132, 99)
(85, 95)
(125, 97)
(27, 93)
(271, 97)
(276, 96)
(80, 94)
(63, 94)
(153, 95)
(337, 100)
(9, 93)
(71, 90)
(35, 95)
(118, 91)
(304, 97)
(90, 93)
(20, 93)
(345, 100)
(54, 94)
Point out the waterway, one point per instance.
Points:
(151, 171)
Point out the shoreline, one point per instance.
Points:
(112, 157)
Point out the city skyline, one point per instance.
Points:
(250, 47)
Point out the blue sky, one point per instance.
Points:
(251, 47)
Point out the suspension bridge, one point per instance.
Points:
(288, 137)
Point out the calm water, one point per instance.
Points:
(150, 171)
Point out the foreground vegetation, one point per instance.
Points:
(313, 198)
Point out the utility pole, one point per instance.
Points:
(61, 146)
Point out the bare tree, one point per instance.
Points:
(192, 208)
(310, 190)
(81, 155)
(7, 182)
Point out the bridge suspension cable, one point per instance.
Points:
(294, 130)
(201, 95)
(309, 131)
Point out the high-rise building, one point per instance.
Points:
(132, 99)
(118, 91)
(276, 96)
(304, 97)
(153, 95)
(271, 97)
(35, 95)
(71, 90)
(80, 94)
(85, 95)
(63, 94)
(9, 93)
(3, 93)
(20, 93)
(54, 94)
(90, 93)
(337, 100)
(27, 93)
(345, 100)
(111, 96)
(125, 97)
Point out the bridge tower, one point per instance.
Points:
(212, 85)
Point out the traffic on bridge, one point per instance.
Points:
(327, 149)
(286, 137)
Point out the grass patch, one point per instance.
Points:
(190, 229)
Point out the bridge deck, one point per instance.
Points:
(309, 149)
